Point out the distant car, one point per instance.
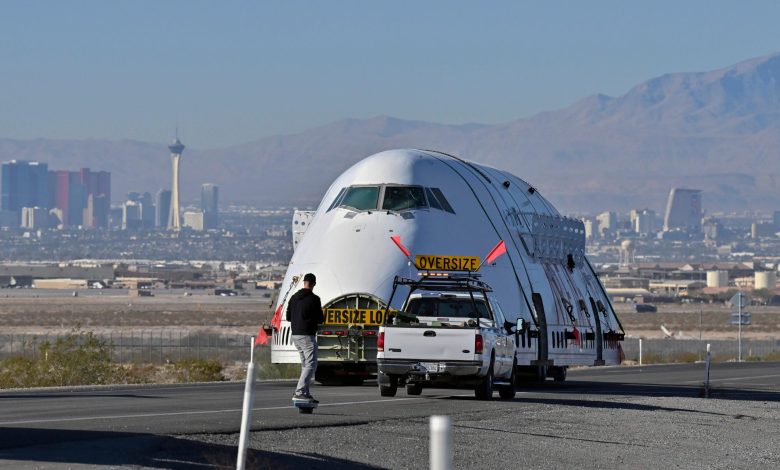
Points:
(645, 308)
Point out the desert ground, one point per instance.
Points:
(32, 311)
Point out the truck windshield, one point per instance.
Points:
(447, 307)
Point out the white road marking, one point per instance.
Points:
(734, 378)
(202, 412)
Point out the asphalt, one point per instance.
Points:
(629, 417)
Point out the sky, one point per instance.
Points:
(229, 72)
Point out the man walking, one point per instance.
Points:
(304, 311)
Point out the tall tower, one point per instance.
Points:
(176, 148)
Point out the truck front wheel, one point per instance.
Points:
(413, 389)
(389, 389)
(484, 391)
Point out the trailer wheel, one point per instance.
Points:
(413, 389)
(559, 374)
(484, 391)
(391, 389)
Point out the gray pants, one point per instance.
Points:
(307, 348)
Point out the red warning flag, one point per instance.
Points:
(262, 337)
(497, 251)
(577, 337)
(276, 321)
(397, 240)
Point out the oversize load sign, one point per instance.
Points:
(447, 263)
(353, 316)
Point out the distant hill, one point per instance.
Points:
(718, 131)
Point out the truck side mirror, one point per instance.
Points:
(508, 326)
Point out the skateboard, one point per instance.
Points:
(304, 406)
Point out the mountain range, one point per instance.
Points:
(718, 131)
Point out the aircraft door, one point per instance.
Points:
(599, 334)
(542, 340)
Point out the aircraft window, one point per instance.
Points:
(362, 198)
(432, 200)
(442, 200)
(399, 198)
(336, 201)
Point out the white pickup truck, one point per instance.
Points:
(450, 333)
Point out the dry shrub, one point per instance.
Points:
(197, 370)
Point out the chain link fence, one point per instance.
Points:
(688, 350)
(150, 347)
(154, 347)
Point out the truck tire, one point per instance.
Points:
(391, 389)
(484, 391)
(413, 389)
(507, 392)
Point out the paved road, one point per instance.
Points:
(185, 425)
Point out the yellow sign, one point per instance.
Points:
(447, 263)
(353, 316)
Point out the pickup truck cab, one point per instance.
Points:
(450, 333)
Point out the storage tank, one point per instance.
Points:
(717, 278)
(765, 280)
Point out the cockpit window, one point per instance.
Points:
(399, 198)
(432, 200)
(442, 200)
(336, 201)
(361, 198)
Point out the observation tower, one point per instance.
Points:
(176, 148)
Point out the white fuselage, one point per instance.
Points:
(350, 250)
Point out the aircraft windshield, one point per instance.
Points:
(398, 198)
(447, 307)
(362, 198)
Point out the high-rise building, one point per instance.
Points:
(209, 204)
(176, 149)
(71, 194)
(23, 184)
(194, 220)
(163, 208)
(131, 215)
(147, 211)
(643, 221)
(683, 210)
(607, 223)
(35, 218)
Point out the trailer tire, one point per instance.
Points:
(413, 389)
(558, 374)
(484, 391)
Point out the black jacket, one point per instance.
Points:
(305, 312)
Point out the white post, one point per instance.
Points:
(739, 340)
(707, 373)
(441, 443)
(640, 351)
(246, 413)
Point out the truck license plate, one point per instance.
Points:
(431, 366)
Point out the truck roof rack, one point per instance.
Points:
(455, 282)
